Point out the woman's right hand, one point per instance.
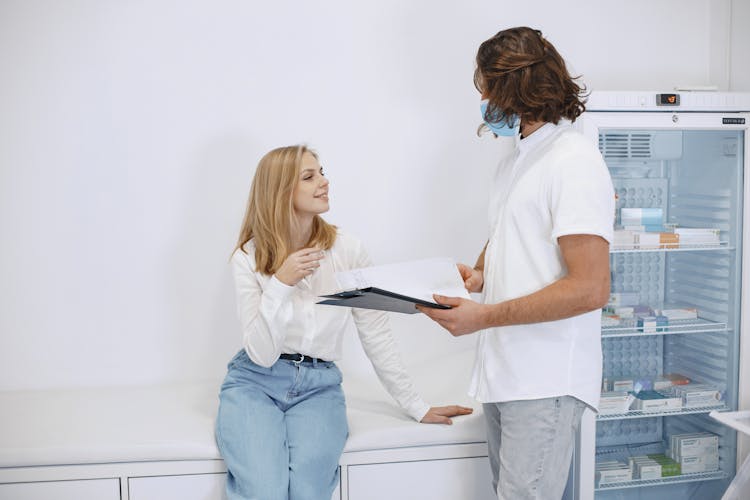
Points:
(442, 414)
(473, 278)
(299, 265)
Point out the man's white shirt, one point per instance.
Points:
(555, 184)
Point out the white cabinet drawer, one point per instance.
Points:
(433, 479)
(187, 487)
(88, 489)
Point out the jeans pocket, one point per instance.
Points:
(241, 363)
(335, 394)
(329, 383)
(338, 376)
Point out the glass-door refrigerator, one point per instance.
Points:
(671, 331)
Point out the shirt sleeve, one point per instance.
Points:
(581, 196)
(378, 343)
(263, 311)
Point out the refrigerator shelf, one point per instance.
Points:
(681, 326)
(665, 413)
(723, 245)
(683, 478)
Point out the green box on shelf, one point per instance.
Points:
(668, 466)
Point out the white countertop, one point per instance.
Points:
(176, 422)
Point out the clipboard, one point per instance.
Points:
(378, 299)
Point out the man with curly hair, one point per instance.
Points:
(544, 272)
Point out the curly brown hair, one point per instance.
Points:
(522, 74)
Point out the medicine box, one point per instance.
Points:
(623, 299)
(644, 467)
(661, 383)
(668, 381)
(674, 314)
(651, 324)
(610, 320)
(698, 395)
(622, 384)
(604, 463)
(623, 238)
(697, 452)
(655, 401)
(691, 445)
(706, 463)
(624, 312)
(644, 229)
(677, 378)
(641, 216)
(669, 467)
(643, 384)
(612, 472)
(644, 240)
(615, 402)
(669, 240)
(698, 236)
(649, 470)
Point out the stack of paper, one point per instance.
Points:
(398, 287)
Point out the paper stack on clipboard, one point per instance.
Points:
(398, 287)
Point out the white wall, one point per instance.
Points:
(739, 45)
(129, 132)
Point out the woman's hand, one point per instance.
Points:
(299, 265)
(441, 414)
(473, 278)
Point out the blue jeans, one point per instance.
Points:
(281, 430)
(530, 445)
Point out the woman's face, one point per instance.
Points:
(310, 196)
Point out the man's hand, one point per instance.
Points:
(464, 316)
(473, 278)
(442, 414)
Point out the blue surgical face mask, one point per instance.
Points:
(501, 127)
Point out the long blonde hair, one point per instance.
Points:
(269, 217)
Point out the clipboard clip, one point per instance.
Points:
(347, 294)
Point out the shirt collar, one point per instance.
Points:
(539, 136)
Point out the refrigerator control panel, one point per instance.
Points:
(708, 101)
(667, 99)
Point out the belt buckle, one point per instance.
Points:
(300, 360)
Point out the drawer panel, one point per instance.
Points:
(185, 487)
(434, 479)
(88, 489)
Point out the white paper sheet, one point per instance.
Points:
(418, 278)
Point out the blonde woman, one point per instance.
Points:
(281, 425)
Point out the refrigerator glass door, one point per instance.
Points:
(670, 334)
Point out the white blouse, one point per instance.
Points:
(277, 318)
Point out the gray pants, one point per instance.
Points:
(530, 446)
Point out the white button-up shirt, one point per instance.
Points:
(555, 184)
(277, 318)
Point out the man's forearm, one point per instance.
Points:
(562, 299)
